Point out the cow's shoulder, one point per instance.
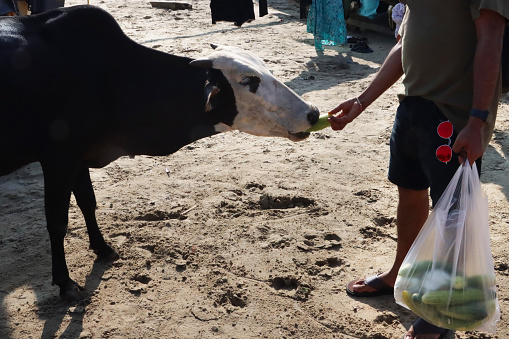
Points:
(77, 23)
(58, 28)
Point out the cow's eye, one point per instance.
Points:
(253, 82)
(245, 81)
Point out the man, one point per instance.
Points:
(450, 56)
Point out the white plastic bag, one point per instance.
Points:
(447, 277)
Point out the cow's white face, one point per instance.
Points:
(266, 106)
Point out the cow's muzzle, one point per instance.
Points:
(313, 115)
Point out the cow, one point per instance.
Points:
(77, 93)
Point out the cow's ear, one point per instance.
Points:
(212, 92)
(201, 63)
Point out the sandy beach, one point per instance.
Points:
(236, 236)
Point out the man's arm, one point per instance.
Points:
(490, 32)
(488, 57)
(388, 74)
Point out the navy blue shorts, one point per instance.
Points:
(414, 141)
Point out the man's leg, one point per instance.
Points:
(413, 210)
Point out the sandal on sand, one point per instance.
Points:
(424, 330)
(381, 288)
(354, 40)
(361, 47)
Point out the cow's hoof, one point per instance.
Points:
(71, 291)
(106, 254)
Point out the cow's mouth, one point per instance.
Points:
(299, 136)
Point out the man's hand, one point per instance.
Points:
(348, 111)
(469, 143)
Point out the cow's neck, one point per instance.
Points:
(165, 106)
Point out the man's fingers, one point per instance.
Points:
(340, 119)
(336, 109)
(337, 123)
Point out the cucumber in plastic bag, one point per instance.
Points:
(447, 277)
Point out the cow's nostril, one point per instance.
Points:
(313, 116)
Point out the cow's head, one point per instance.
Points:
(265, 106)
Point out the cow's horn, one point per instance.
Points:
(201, 63)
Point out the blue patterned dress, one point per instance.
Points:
(368, 8)
(326, 21)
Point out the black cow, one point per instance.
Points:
(76, 93)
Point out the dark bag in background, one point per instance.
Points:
(238, 11)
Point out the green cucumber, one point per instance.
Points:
(407, 298)
(323, 122)
(424, 310)
(444, 298)
(415, 269)
(433, 315)
(417, 298)
(456, 324)
(480, 281)
(472, 311)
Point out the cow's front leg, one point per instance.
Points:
(85, 197)
(57, 193)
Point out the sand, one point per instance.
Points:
(235, 236)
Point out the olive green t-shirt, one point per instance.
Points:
(438, 47)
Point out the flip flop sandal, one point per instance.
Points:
(426, 330)
(360, 44)
(381, 288)
(362, 49)
(353, 40)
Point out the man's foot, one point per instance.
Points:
(372, 286)
(421, 329)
